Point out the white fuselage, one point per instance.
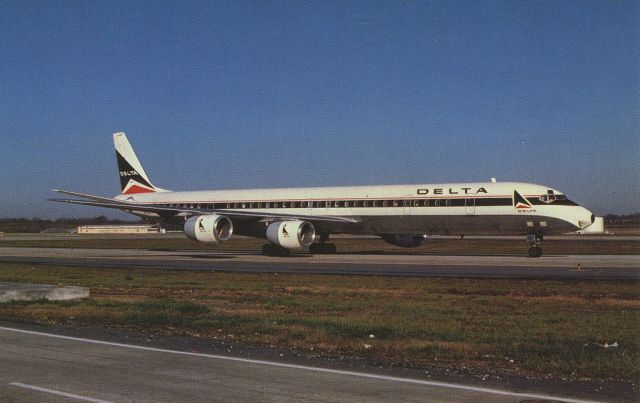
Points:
(459, 208)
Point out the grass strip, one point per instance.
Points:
(541, 327)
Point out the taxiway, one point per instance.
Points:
(555, 267)
(39, 366)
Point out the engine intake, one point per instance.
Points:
(209, 228)
(405, 240)
(291, 234)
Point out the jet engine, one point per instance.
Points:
(209, 228)
(405, 240)
(291, 234)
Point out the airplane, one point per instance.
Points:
(295, 218)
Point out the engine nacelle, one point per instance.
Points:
(209, 228)
(291, 234)
(405, 240)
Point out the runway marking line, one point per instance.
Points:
(300, 367)
(58, 393)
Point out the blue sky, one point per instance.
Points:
(270, 94)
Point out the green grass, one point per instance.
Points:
(544, 327)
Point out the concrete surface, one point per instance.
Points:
(633, 236)
(557, 267)
(37, 367)
(29, 292)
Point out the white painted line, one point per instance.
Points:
(307, 368)
(58, 393)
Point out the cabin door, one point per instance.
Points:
(470, 205)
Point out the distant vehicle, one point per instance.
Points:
(293, 218)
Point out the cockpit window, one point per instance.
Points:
(550, 197)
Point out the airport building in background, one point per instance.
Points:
(120, 229)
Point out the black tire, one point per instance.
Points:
(270, 249)
(282, 252)
(322, 248)
(267, 249)
(535, 251)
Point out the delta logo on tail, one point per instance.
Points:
(520, 202)
(130, 180)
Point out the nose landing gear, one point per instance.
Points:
(534, 240)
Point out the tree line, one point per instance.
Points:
(37, 224)
(630, 219)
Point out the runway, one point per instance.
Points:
(40, 366)
(552, 267)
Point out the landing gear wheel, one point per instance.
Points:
(535, 251)
(270, 249)
(322, 248)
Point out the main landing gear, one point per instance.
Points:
(534, 240)
(323, 247)
(271, 249)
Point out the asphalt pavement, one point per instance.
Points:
(549, 267)
(37, 366)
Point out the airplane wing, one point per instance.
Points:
(98, 201)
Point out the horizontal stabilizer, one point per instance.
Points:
(82, 195)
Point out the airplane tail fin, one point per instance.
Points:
(133, 178)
